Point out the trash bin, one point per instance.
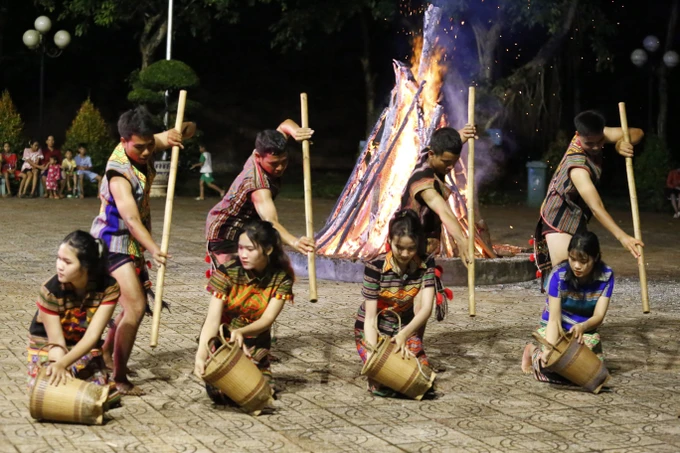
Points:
(537, 173)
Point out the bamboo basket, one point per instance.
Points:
(76, 401)
(575, 362)
(231, 371)
(404, 375)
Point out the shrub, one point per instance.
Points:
(651, 170)
(168, 75)
(90, 128)
(11, 125)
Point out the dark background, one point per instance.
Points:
(246, 86)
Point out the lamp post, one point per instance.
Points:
(639, 57)
(36, 40)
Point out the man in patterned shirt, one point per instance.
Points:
(572, 197)
(124, 224)
(252, 194)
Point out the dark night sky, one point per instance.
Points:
(246, 86)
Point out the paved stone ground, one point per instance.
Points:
(486, 404)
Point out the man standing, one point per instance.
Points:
(124, 223)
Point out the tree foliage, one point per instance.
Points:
(11, 125)
(149, 17)
(89, 127)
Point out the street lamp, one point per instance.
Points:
(36, 40)
(640, 56)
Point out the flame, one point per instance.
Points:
(358, 225)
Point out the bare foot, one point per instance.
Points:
(127, 388)
(527, 366)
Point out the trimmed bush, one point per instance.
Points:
(89, 127)
(168, 75)
(651, 169)
(11, 125)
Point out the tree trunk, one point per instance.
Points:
(369, 76)
(662, 120)
(155, 29)
(487, 41)
(548, 50)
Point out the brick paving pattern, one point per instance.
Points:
(486, 404)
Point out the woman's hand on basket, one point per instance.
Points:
(400, 341)
(58, 374)
(199, 367)
(577, 331)
(237, 337)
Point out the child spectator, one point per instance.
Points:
(84, 166)
(673, 191)
(206, 173)
(29, 170)
(68, 168)
(53, 176)
(9, 166)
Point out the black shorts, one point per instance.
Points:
(668, 192)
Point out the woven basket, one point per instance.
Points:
(404, 375)
(76, 401)
(231, 371)
(575, 362)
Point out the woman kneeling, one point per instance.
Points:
(395, 281)
(579, 290)
(248, 293)
(74, 307)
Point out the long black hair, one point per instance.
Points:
(406, 222)
(92, 254)
(582, 247)
(264, 235)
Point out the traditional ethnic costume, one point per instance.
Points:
(227, 218)
(578, 305)
(396, 291)
(563, 210)
(422, 178)
(75, 314)
(246, 297)
(109, 224)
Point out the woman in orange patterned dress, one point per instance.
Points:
(392, 284)
(248, 293)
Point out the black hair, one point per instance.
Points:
(270, 141)
(583, 246)
(445, 139)
(92, 254)
(137, 121)
(589, 123)
(82, 145)
(406, 222)
(264, 235)
(6, 143)
(33, 142)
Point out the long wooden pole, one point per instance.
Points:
(309, 219)
(167, 222)
(471, 205)
(635, 211)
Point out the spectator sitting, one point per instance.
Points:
(84, 167)
(9, 166)
(29, 170)
(68, 169)
(673, 190)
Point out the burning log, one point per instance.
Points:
(357, 226)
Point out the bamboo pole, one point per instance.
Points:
(309, 222)
(635, 211)
(471, 205)
(167, 220)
